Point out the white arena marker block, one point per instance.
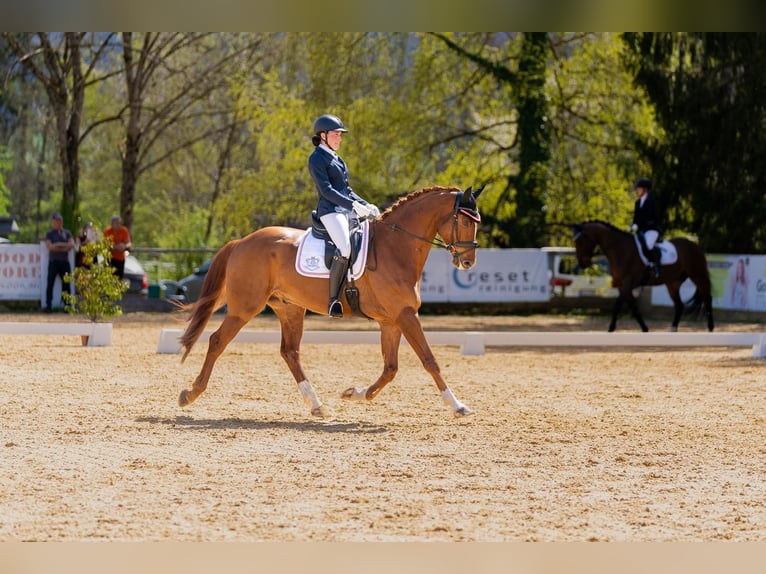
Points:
(101, 335)
(759, 348)
(169, 342)
(473, 343)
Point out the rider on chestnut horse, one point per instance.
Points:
(337, 201)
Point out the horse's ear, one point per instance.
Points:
(468, 190)
(477, 192)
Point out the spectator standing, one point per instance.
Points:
(59, 242)
(119, 237)
(86, 235)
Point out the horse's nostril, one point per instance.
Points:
(467, 264)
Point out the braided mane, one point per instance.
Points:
(415, 195)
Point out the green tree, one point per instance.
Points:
(528, 227)
(65, 64)
(708, 169)
(597, 116)
(5, 164)
(97, 287)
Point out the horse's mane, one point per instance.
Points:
(415, 195)
(604, 223)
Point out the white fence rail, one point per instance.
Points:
(475, 342)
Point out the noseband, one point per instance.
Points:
(453, 245)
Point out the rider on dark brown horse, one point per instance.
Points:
(645, 221)
(337, 201)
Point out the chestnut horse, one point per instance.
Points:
(258, 270)
(629, 271)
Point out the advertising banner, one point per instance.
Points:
(738, 282)
(20, 272)
(24, 273)
(500, 275)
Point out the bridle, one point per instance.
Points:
(453, 244)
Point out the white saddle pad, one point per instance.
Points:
(310, 259)
(668, 253)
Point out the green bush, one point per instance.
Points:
(96, 285)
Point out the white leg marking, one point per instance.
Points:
(357, 394)
(312, 400)
(309, 395)
(458, 408)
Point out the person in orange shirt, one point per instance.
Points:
(119, 236)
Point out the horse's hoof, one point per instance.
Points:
(674, 329)
(321, 411)
(462, 411)
(354, 394)
(183, 399)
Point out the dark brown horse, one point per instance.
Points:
(258, 270)
(629, 271)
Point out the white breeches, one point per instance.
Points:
(337, 226)
(651, 235)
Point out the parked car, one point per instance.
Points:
(188, 289)
(568, 279)
(135, 276)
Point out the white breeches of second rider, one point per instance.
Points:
(650, 236)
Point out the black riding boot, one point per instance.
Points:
(656, 256)
(338, 271)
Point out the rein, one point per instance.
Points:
(438, 241)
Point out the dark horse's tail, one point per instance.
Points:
(694, 304)
(208, 302)
(698, 272)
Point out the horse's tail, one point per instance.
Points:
(697, 270)
(694, 303)
(208, 302)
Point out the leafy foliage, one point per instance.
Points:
(96, 285)
(708, 169)
(5, 164)
(557, 125)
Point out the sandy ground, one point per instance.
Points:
(566, 445)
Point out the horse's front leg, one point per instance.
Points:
(615, 312)
(390, 338)
(635, 311)
(409, 322)
(291, 318)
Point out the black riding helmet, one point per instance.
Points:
(328, 123)
(643, 182)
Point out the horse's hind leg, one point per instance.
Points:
(291, 319)
(709, 311)
(678, 306)
(216, 345)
